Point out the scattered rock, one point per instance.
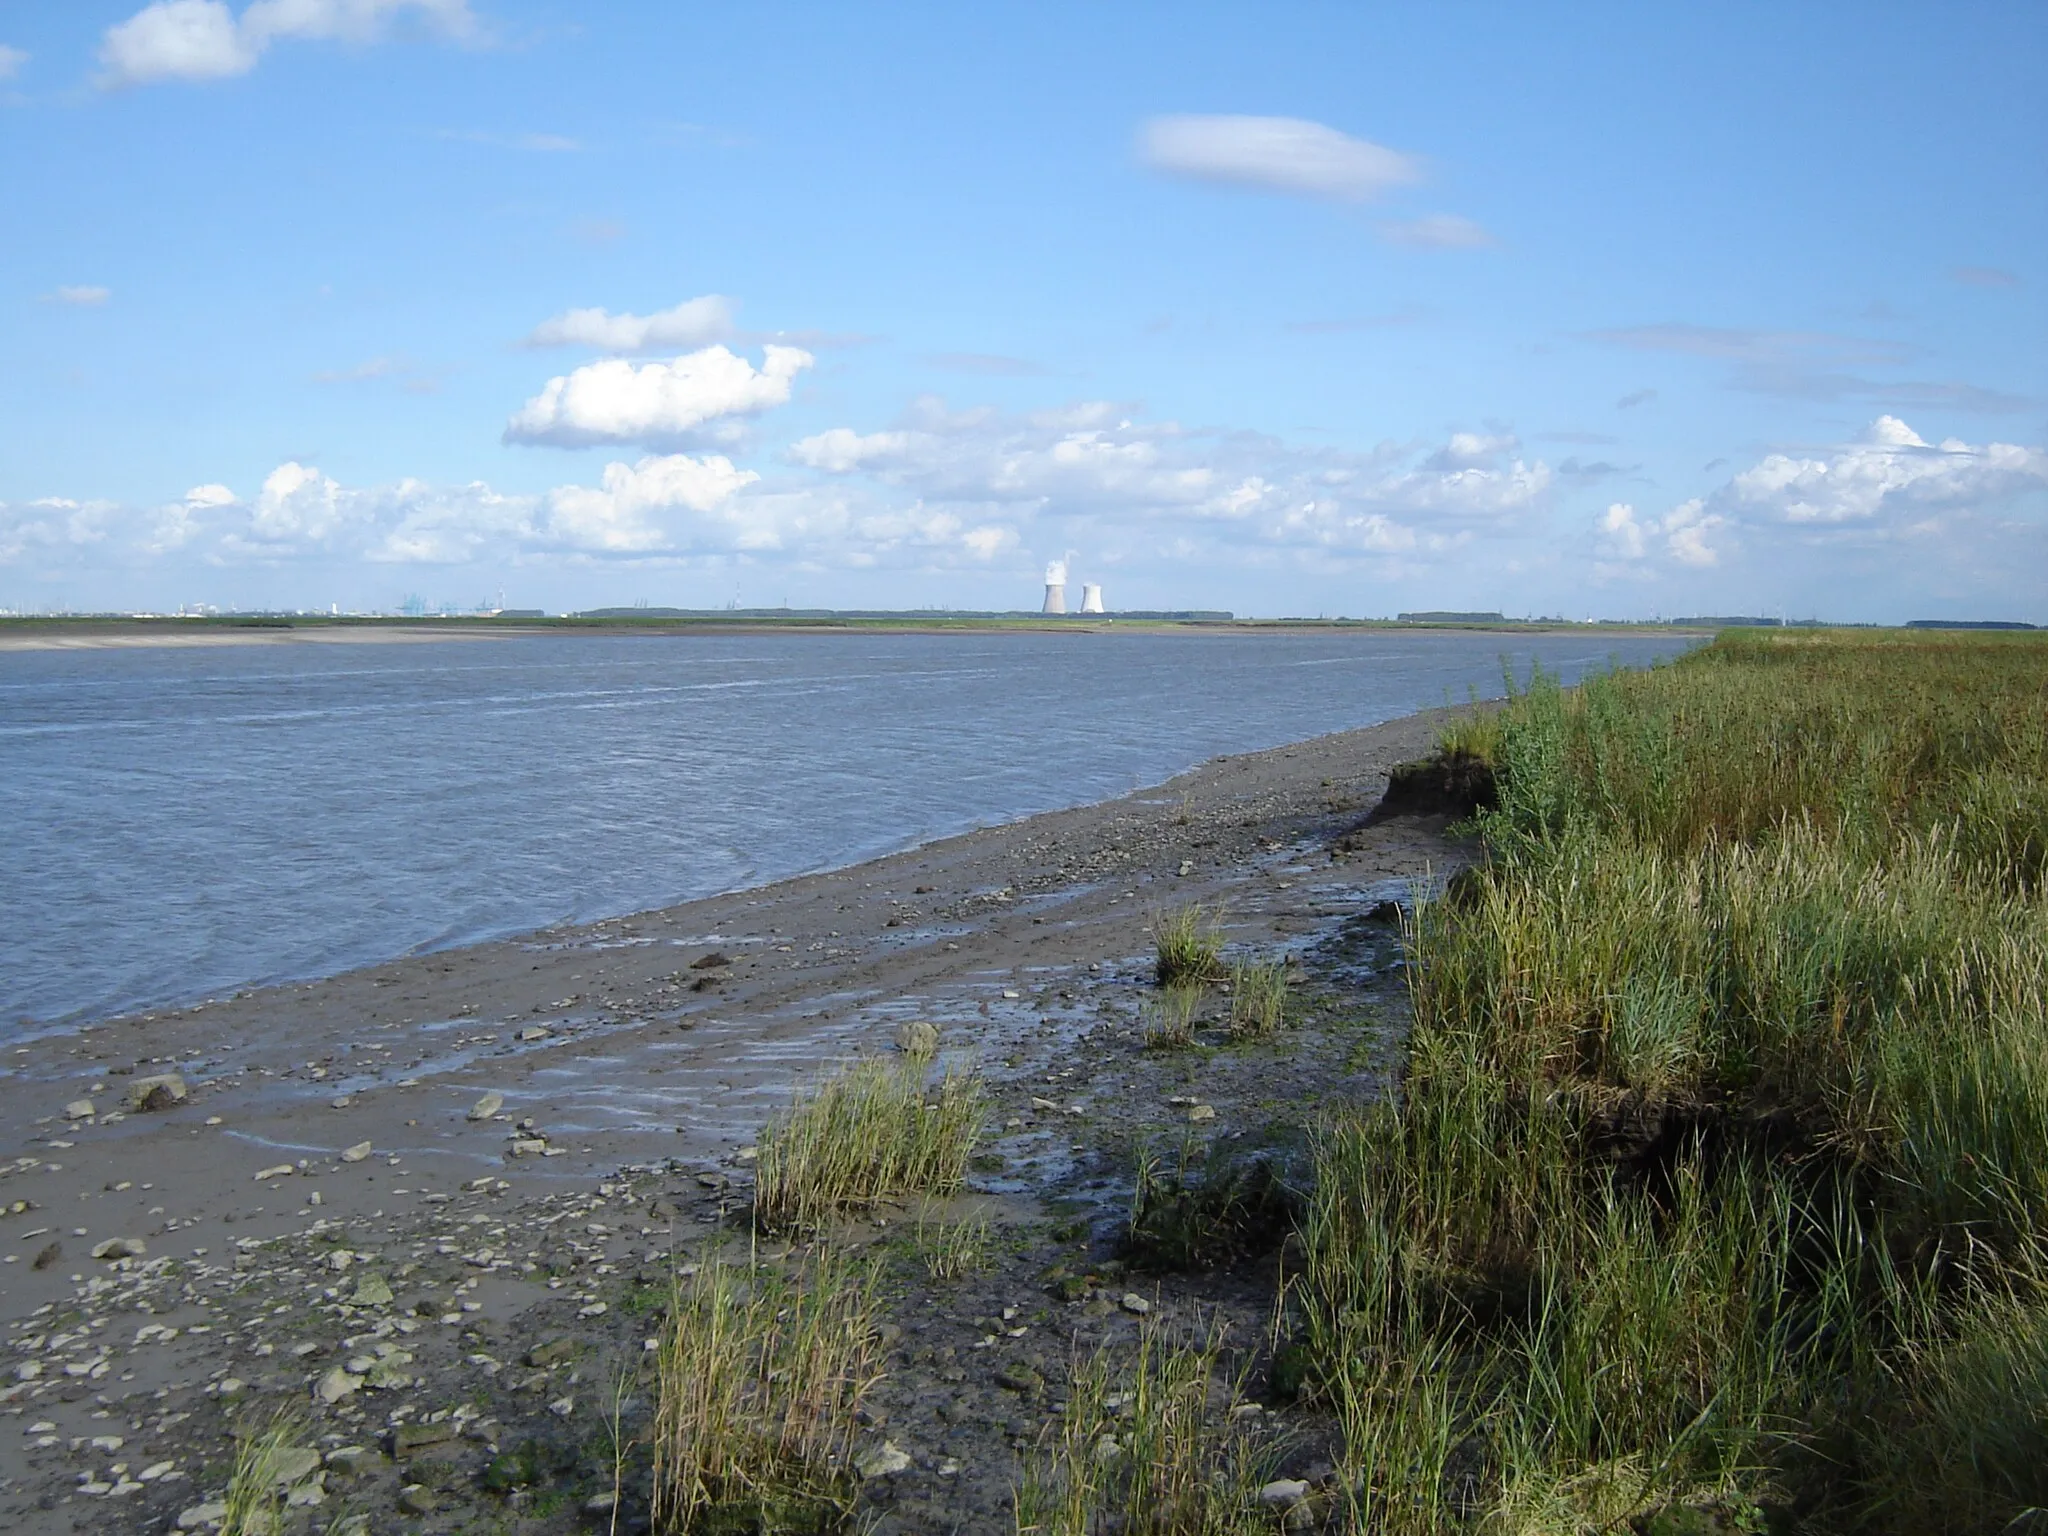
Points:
(917, 1037)
(600, 1503)
(337, 1384)
(562, 1407)
(372, 1290)
(487, 1106)
(884, 1460)
(1134, 1303)
(408, 1438)
(535, 1032)
(357, 1153)
(79, 1109)
(211, 1513)
(1020, 1376)
(716, 960)
(294, 1464)
(281, 1171)
(1283, 1493)
(551, 1351)
(413, 1499)
(1201, 1112)
(158, 1092)
(120, 1248)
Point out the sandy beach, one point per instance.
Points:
(418, 1201)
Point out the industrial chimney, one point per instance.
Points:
(1091, 597)
(1056, 587)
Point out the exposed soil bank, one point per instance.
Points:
(479, 1269)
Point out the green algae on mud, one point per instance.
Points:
(1715, 1189)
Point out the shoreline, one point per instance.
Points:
(34, 1030)
(82, 634)
(642, 1051)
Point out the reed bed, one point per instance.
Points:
(760, 1377)
(874, 1129)
(1717, 1185)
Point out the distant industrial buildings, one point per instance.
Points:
(1056, 591)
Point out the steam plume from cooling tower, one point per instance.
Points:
(1056, 587)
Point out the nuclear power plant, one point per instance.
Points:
(1056, 591)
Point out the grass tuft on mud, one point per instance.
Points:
(1187, 946)
(760, 1378)
(875, 1128)
(1715, 1192)
(1148, 1446)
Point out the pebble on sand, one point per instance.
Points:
(159, 1091)
(336, 1385)
(884, 1460)
(487, 1106)
(356, 1153)
(917, 1037)
(120, 1248)
(79, 1109)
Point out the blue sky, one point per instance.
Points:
(1286, 309)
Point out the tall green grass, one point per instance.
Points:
(760, 1378)
(1719, 1179)
(1148, 1446)
(871, 1130)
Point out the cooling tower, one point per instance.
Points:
(1056, 587)
(1091, 597)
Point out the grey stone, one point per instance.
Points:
(917, 1037)
(337, 1384)
(160, 1091)
(884, 1460)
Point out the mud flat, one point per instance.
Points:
(434, 1206)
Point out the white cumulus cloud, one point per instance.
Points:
(79, 295)
(1891, 470)
(656, 404)
(1093, 468)
(631, 511)
(205, 40)
(1277, 154)
(692, 323)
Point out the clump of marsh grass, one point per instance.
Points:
(760, 1377)
(1258, 999)
(1715, 1186)
(1148, 1446)
(874, 1129)
(1169, 1018)
(1201, 1212)
(1187, 945)
(256, 1492)
(952, 1250)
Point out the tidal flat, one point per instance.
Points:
(434, 1209)
(1621, 1109)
